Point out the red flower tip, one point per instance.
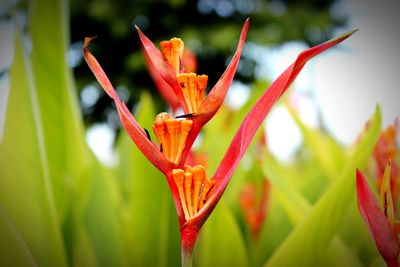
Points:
(378, 224)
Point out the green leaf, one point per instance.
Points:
(63, 130)
(329, 154)
(70, 162)
(102, 220)
(13, 249)
(309, 240)
(297, 208)
(295, 205)
(220, 242)
(26, 189)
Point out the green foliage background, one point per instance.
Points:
(59, 206)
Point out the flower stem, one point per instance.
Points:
(188, 239)
(187, 257)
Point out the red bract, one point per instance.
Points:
(381, 223)
(196, 194)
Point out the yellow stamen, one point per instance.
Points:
(173, 50)
(178, 176)
(386, 196)
(199, 175)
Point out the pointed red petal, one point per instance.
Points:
(165, 70)
(378, 224)
(256, 116)
(137, 134)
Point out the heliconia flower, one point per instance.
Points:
(194, 192)
(382, 223)
(386, 149)
(189, 87)
(254, 206)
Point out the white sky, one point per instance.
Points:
(350, 82)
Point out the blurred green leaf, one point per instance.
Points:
(103, 222)
(293, 202)
(297, 208)
(61, 119)
(310, 238)
(13, 249)
(220, 242)
(329, 154)
(25, 180)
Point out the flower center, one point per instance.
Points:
(193, 187)
(171, 134)
(193, 86)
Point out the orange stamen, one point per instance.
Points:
(192, 80)
(199, 175)
(177, 51)
(193, 89)
(208, 185)
(188, 192)
(183, 81)
(178, 176)
(386, 196)
(186, 125)
(160, 132)
(173, 131)
(173, 50)
(191, 195)
(172, 135)
(201, 88)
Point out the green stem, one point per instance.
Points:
(187, 257)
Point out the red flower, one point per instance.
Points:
(382, 224)
(255, 208)
(196, 194)
(387, 149)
